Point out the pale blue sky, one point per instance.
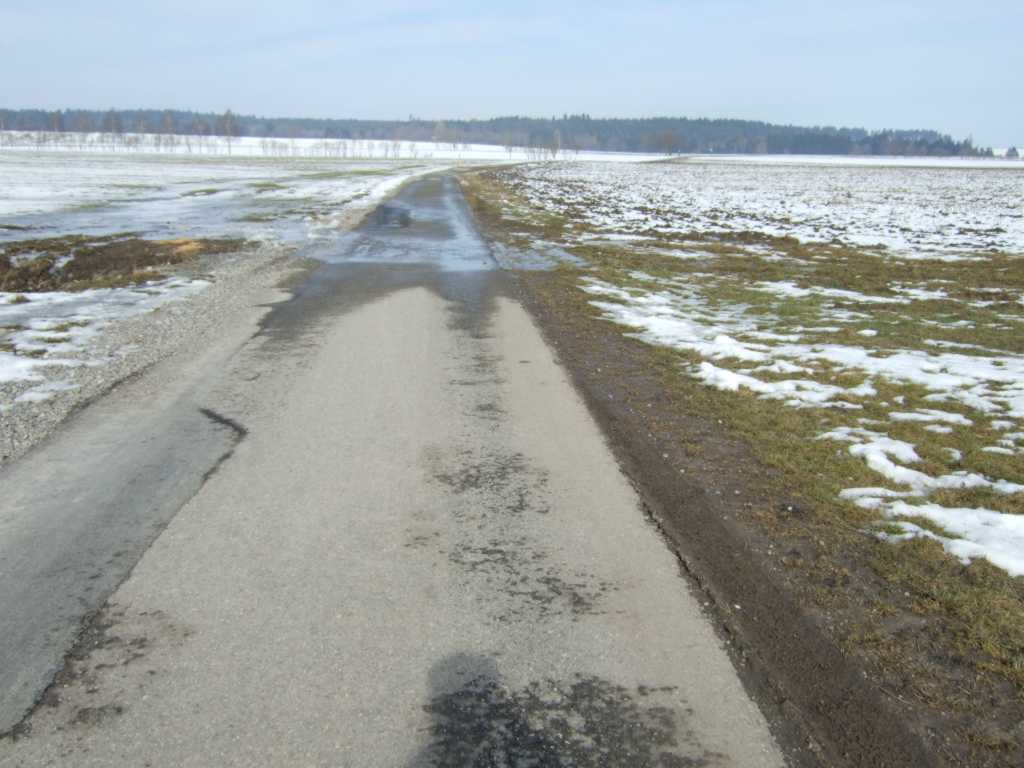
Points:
(953, 66)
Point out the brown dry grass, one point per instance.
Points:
(30, 266)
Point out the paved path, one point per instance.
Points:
(419, 551)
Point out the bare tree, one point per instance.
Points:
(555, 145)
(227, 127)
(112, 122)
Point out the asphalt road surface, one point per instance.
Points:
(375, 526)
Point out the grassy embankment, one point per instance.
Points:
(969, 619)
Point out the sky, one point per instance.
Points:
(950, 66)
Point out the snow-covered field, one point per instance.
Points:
(296, 201)
(946, 208)
(868, 161)
(887, 299)
(55, 193)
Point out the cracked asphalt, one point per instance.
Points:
(375, 527)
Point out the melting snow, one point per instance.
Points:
(56, 324)
(792, 290)
(916, 212)
(44, 391)
(677, 316)
(982, 533)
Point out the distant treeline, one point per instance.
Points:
(569, 132)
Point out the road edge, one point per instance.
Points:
(821, 704)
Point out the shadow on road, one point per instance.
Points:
(478, 720)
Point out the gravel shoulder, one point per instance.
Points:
(130, 345)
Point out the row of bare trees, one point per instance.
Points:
(228, 144)
(115, 142)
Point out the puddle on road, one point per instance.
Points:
(424, 237)
(427, 223)
(388, 215)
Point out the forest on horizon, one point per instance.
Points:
(669, 135)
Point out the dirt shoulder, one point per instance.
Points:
(836, 650)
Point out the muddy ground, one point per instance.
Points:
(78, 262)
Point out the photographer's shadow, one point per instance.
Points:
(478, 721)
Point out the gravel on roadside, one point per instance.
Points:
(126, 347)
